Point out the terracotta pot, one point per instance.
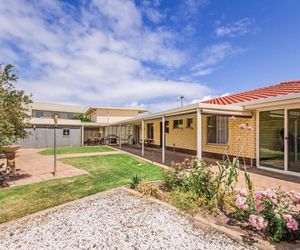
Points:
(11, 148)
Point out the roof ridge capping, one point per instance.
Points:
(273, 90)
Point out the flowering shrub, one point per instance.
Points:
(273, 211)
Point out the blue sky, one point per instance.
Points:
(146, 53)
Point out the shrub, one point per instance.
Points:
(213, 188)
(135, 180)
(147, 188)
(176, 177)
(186, 201)
(272, 210)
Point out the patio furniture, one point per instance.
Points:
(148, 142)
(111, 139)
(96, 141)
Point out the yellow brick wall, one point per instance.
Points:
(237, 138)
(182, 137)
(177, 137)
(186, 138)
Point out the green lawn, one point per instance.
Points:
(74, 150)
(105, 172)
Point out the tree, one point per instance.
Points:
(14, 108)
(82, 118)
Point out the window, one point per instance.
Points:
(39, 114)
(70, 115)
(177, 123)
(66, 132)
(149, 130)
(217, 129)
(167, 125)
(189, 122)
(54, 114)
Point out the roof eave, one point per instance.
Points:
(271, 101)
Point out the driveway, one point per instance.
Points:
(110, 220)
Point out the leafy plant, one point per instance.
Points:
(271, 210)
(82, 118)
(186, 201)
(135, 181)
(14, 109)
(176, 177)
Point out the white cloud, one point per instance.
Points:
(96, 57)
(154, 15)
(238, 28)
(209, 97)
(212, 56)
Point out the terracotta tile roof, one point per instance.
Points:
(282, 88)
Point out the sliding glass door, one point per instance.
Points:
(271, 139)
(294, 140)
(279, 139)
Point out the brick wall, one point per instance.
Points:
(186, 138)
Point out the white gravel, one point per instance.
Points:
(111, 220)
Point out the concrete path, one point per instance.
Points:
(33, 167)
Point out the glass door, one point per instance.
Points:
(271, 139)
(294, 140)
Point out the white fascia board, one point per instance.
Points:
(226, 112)
(54, 107)
(271, 101)
(221, 107)
(49, 121)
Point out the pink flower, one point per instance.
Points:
(268, 193)
(250, 128)
(243, 126)
(295, 196)
(232, 118)
(241, 202)
(242, 191)
(259, 207)
(258, 196)
(258, 222)
(291, 222)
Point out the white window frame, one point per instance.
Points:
(217, 133)
(187, 122)
(285, 108)
(180, 125)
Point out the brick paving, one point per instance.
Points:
(33, 167)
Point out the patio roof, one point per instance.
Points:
(204, 108)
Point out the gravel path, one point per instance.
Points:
(111, 220)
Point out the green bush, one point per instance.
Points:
(135, 181)
(186, 201)
(175, 178)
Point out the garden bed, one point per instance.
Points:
(221, 222)
(264, 215)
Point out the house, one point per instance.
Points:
(206, 130)
(72, 132)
